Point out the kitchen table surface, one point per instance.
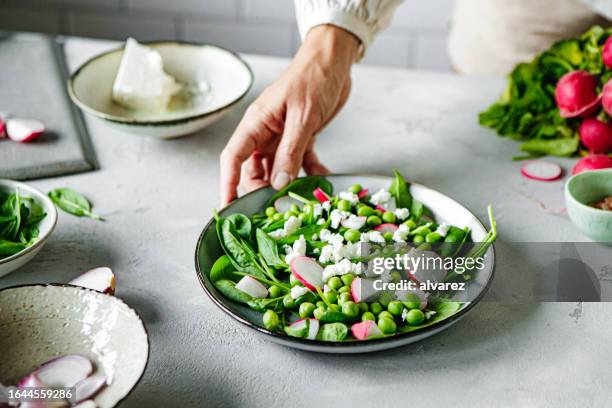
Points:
(156, 197)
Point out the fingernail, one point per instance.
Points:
(281, 180)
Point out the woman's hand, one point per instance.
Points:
(275, 138)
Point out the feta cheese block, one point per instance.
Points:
(141, 83)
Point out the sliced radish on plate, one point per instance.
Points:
(313, 329)
(253, 287)
(353, 222)
(63, 371)
(2, 128)
(365, 330)
(24, 130)
(362, 290)
(320, 195)
(101, 279)
(308, 271)
(85, 404)
(384, 228)
(283, 204)
(541, 170)
(363, 193)
(31, 380)
(88, 387)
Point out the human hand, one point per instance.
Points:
(275, 138)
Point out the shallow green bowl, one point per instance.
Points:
(585, 188)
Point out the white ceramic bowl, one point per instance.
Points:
(46, 226)
(228, 77)
(41, 322)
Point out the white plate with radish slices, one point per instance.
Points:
(444, 209)
(63, 335)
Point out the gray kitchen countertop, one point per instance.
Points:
(158, 195)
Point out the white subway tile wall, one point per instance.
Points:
(416, 38)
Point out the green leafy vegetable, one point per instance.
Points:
(304, 187)
(19, 220)
(73, 203)
(223, 269)
(399, 190)
(333, 332)
(268, 249)
(228, 288)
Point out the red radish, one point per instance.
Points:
(101, 279)
(2, 128)
(299, 328)
(85, 404)
(284, 203)
(362, 290)
(363, 193)
(606, 97)
(63, 371)
(541, 170)
(313, 329)
(24, 130)
(596, 135)
(88, 387)
(354, 222)
(365, 330)
(253, 287)
(380, 208)
(431, 267)
(576, 94)
(308, 271)
(410, 295)
(592, 162)
(320, 195)
(384, 228)
(31, 380)
(606, 53)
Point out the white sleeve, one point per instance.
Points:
(363, 18)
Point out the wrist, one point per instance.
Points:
(331, 44)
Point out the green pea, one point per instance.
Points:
(277, 217)
(433, 237)
(377, 213)
(395, 307)
(288, 302)
(376, 308)
(388, 217)
(387, 326)
(384, 301)
(422, 231)
(331, 296)
(395, 276)
(415, 304)
(415, 317)
(352, 235)
(335, 283)
(294, 208)
(270, 211)
(365, 211)
(410, 224)
(350, 309)
(373, 220)
(344, 289)
(290, 214)
(388, 236)
(319, 311)
(347, 279)
(418, 239)
(385, 315)
(363, 307)
(344, 205)
(306, 309)
(368, 316)
(321, 303)
(355, 188)
(293, 280)
(274, 291)
(270, 320)
(334, 308)
(344, 297)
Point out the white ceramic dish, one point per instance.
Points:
(46, 226)
(444, 208)
(228, 78)
(40, 322)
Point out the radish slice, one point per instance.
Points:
(429, 270)
(313, 329)
(85, 404)
(24, 130)
(541, 170)
(63, 371)
(253, 287)
(320, 195)
(2, 129)
(362, 290)
(410, 295)
(308, 271)
(384, 228)
(100, 279)
(363, 193)
(88, 387)
(353, 222)
(365, 330)
(31, 380)
(283, 204)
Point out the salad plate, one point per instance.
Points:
(443, 209)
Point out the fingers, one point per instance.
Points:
(254, 174)
(312, 165)
(290, 152)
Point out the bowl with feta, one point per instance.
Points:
(163, 89)
(346, 263)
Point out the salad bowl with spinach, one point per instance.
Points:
(288, 264)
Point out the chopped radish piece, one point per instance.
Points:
(101, 279)
(365, 330)
(541, 170)
(320, 195)
(410, 295)
(88, 387)
(284, 203)
(24, 130)
(384, 228)
(2, 128)
(31, 380)
(253, 287)
(298, 329)
(429, 270)
(308, 271)
(592, 162)
(362, 290)
(85, 404)
(354, 222)
(63, 371)
(363, 193)
(313, 329)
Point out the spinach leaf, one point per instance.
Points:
(268, 249)
(399, 190)
(241, 223)
(228, 289)
(307, 231)
(333, 332)
(261, 305)
(8, 248)
(73, 203)
(304, 186)
(223, 269)
(454, 240)
(331, 316)
(553, 147)
(11, 207)
(443, 309)
(233, 245)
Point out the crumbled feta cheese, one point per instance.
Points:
(381, 197)
(335, 239)
(317, 210)
(314, 237)
(372, 236)
(443, 229)
(299, 249)
(337, 216)
(320, 221)
(354, 222)
(401, 233)
(402, 213)
(292, 225)
(348, 196)
(326, 254)
(298, 291)
(324, 234)
(316, 251)
(277, 234)
(326, 289)
(341, 268)
(429, 314)
(326, 205)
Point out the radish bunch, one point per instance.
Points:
(20, 129)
